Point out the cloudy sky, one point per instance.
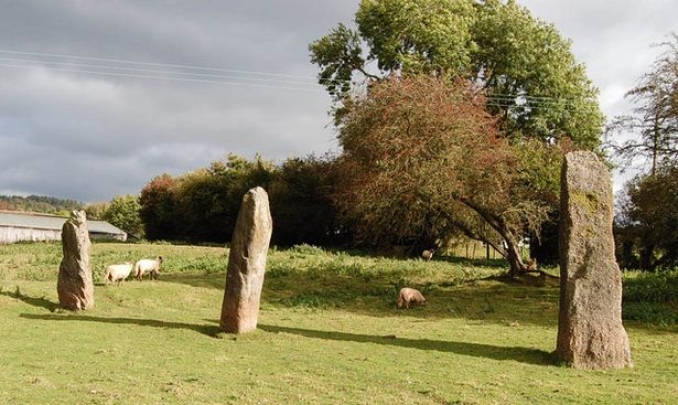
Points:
(98, 97)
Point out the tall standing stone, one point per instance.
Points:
(75, 286)
(590, 330)
(247, 263)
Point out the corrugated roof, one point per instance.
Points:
(44, 221)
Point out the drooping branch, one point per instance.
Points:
(472, 234)
(499, 225)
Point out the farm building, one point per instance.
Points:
(18, 226)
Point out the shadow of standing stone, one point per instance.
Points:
(590, 330)
(247, 263)
(75, 286)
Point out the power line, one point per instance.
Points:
(179, 79)
(157, 71)
(174, 65)
(522, 99)
(165, 73)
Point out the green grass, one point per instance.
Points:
(329, 333)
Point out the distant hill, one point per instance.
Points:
(38, 203)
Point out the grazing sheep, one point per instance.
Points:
(408, 296)
(118, 272)
(427, 254)
(151, 266)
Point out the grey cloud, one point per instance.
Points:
(613, 39)
(94, 136)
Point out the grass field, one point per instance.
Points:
(329, 333)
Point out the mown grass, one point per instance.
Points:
(329, 333)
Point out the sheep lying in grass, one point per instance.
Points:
(151, 266)
(427, 254)
(117, 272)
(408, 296)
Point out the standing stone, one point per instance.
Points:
(75, 286)
(590, 330)
(247, 263)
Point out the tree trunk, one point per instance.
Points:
(511, 252)
(517, 267)
(646, 254)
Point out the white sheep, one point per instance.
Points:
(117, 272)
(427, 254)
(410, 295)
(151, 266)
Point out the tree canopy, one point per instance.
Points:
(202, 205)
(648, 217)
(424, 159)
(538, 98)
(531, 79)
(648, 221)
(39, 203)
(653, 125)
(123, 212)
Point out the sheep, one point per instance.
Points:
(151, 266)
(118, 272)
(410, 295)
(427, 254)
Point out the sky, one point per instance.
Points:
(98, 97)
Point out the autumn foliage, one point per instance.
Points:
(423, 159)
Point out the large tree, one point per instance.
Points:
(647, 219)
(526, 68)
(534, 87)
(653, 125)
(423, 157)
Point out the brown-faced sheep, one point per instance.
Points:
(408, 296)
(151, 266)
(117, 272)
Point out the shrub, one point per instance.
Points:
(652, 287)
(651, 298)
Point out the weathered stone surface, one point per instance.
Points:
(247, 263)
(75, 286)
(590, 330)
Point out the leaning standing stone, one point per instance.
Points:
(75, 286)
(247, 263)
(590, 330)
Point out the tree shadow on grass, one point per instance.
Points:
(36, 302)
(479, 299)
(519, 354)
(208, 330)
